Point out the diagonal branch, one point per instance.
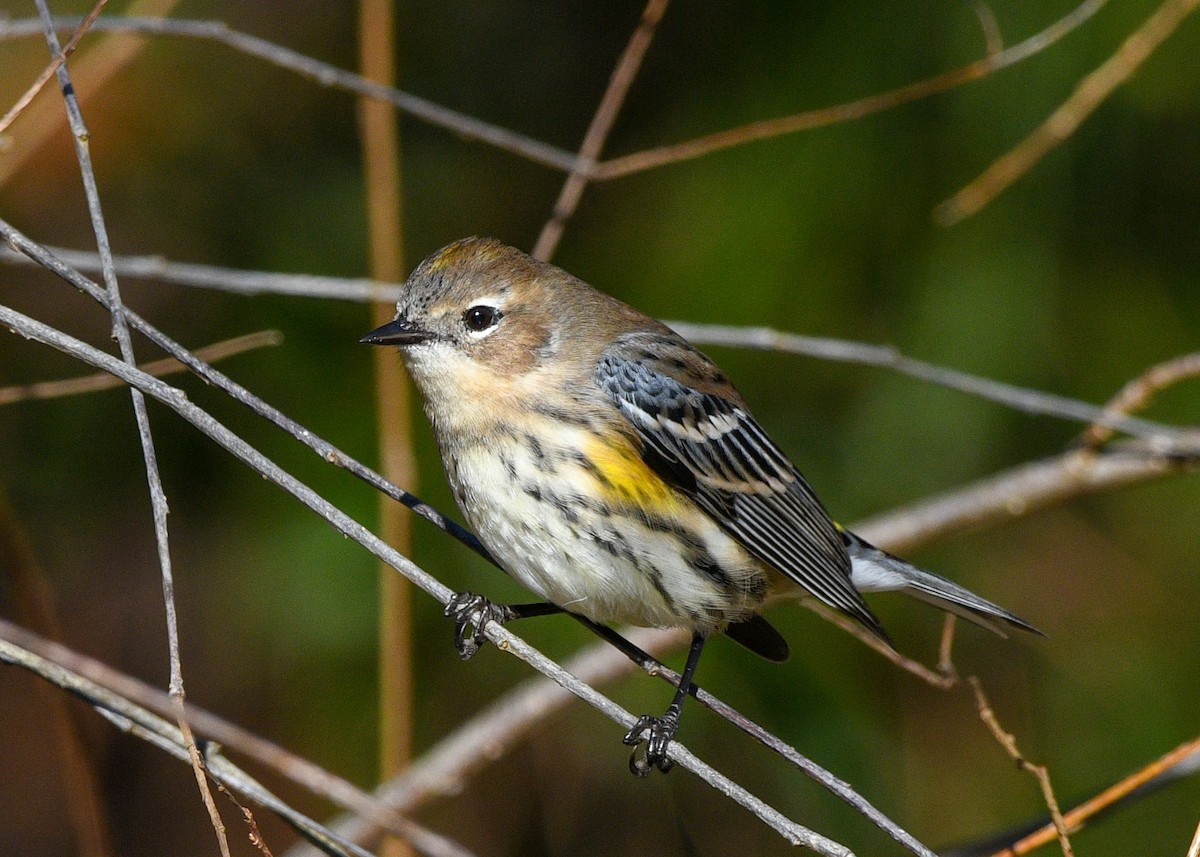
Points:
(44, 659)
(762, 338)
(1068, 116)
(299, 770)
(1136, 394)
(501, 637)
(536, 151)
(467, 127)
(50, 70)
(593, 141)
(120, 329)
(158, 368)
(1178, 762)
(811, 119)
(1009, 742)
(998, 498)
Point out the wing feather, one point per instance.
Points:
(721, 458)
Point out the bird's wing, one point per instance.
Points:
(710, 448)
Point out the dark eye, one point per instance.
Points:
(480, 318)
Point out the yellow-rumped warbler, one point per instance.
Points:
(613, 469)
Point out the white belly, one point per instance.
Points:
(614, 567)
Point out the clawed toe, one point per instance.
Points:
(656, 733)
(468, 632)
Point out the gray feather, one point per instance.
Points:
(875, 570)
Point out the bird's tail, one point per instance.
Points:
(875, 570)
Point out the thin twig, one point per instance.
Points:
(1174, 761)
(1135, 395)
(1068, 116)
(120, 330)
(552, 156)
(301, 771)
(991, 29)
(50, 70)
(1009, 743)
(1019, 398)
(141, 723)
(943, 677)
(597, 133)
(504, 639)
(467, 127)
(998, 498)
(158, 368)
(946, 649)
(810, 119)
(762, 338)
(444, 769)
(1194, 850)
(106, 56)
(1018, 491)
(238, 393)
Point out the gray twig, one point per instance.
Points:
(1168, 439)
(323, 73)
(138, 721)
(120, 330)
(597, 132)
(504, 639)
(552, 156)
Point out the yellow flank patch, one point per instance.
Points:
(625, 478)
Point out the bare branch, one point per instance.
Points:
(1019, 398)
(810, 119)
(299, 770)
(446, 767)
(158, 368)
(1135, 395)
(1063, 122)
(380, 147)
(552, 156)
(1017, 492)
(99, 64)
(140, 722)
(501, 637)
(602, 121)
(50, 70)
(998, 498)
(991, 29)
(1009, 743)
(944, 677)
(764, 338)
(464, 126)
(120, 329)
(1182, 760)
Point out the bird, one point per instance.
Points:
(614, 470)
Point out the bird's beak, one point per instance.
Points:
(398, 331)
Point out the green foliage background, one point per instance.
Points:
(1080, 277)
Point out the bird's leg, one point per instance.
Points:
(468, 631)
(657, 732)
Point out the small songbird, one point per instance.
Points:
(614, 470)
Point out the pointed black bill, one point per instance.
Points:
(398, 331)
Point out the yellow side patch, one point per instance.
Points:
(625, 478)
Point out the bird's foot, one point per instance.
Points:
(656, 733)
(471, 613)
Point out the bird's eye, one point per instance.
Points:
(480, 318)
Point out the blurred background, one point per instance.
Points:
(1077, 279)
